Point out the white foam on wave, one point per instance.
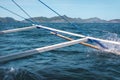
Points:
(112, 48)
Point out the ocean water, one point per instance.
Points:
(75, 62)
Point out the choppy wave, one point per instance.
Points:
(18, 74)
(71, 63)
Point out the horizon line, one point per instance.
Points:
(58, 16)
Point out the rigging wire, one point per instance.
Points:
(16, 14)
(69, 22)
(23, 10)
(58, 14)
(47, 7)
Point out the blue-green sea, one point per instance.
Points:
(75, 62)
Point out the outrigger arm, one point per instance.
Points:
(52, 47)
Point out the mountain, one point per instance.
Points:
(115, 21)
(7, 20)
(58, 19)
(94, 20)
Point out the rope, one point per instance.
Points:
(23, 10)
(57, 13)
(16, 14)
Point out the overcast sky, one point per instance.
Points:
(104, 9)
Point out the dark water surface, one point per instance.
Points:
(71, 63)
